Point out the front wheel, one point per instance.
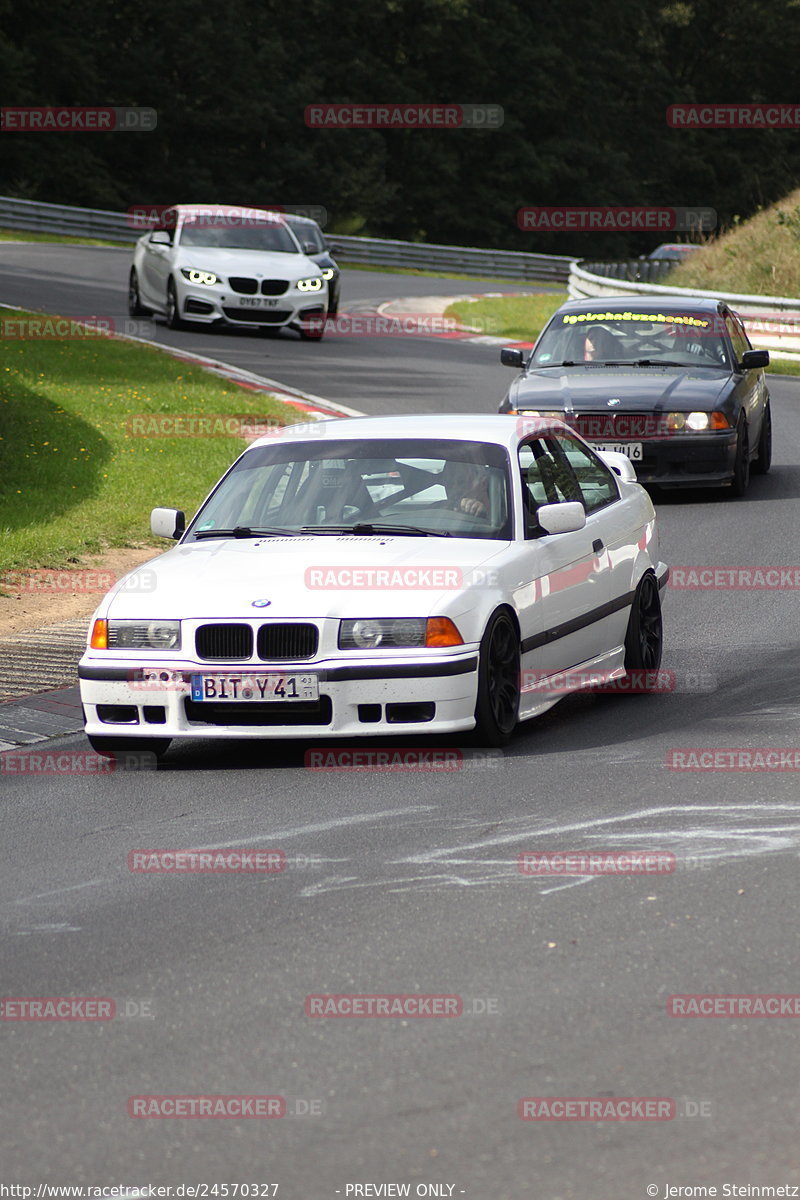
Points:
(497, 706)
(741, 466)
(312, 329)
(173, 311)
(113, 747)
(644, 637)
(763, 459)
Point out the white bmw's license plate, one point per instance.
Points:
(257, 302)
(633, 450)
(255, 687)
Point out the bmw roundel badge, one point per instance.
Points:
(261, 603)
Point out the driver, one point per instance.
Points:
(467, 487)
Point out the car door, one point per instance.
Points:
(752, 387)
(156, 267)
(561, 604)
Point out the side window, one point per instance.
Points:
(738, 336)
(546, 478)
(597, 485)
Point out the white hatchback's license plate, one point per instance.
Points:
(257, 302)
(633, 450)
(252, 688)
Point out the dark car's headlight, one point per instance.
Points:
(313, 284)
(391, 633)
(328, 272)
(136, 635)
(206, 277)
(696, 422)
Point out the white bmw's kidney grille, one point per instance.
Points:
(283, 640)
(224, 642)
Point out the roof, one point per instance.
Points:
(497, 428)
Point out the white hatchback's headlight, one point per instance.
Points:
(309, 285)
(206, 277)
(144, 635)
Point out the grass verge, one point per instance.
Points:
(75, 475)
(30, 235)
(518, 318)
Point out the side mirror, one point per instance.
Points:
(512, 358)
(332, 248)
(620, 464)
(755, 358)
(168, 523)
(562, 518)
(160, 238)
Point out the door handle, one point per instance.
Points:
(597, 544)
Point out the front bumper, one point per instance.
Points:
(688, 459)
(218, 303)
(429, 694)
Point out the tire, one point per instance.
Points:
(741, 467)
(645, 633)
(312, 330)
(763, 459)
(173, 317)
(110, 747)
(497, 705)
(135, 306)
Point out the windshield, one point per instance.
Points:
(684, 339)
(227, 235)
(454, 488)
(309, 233)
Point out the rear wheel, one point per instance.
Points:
(763, 459)
(741, 466)
(644, 637)
(497, 706)
(113, 747)
(135, 306)
(173, 311)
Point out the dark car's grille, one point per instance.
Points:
(258, 316)
(619, 426)
(240, 283)
(287, 641)
(274, 287)
(224, 642)
(298, 712)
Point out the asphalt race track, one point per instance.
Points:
(407, 882)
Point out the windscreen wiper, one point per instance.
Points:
(244, 531)
(660, 362)
(369, 528)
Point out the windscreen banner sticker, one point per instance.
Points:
(663, 318)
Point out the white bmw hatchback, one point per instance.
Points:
(218, 263)
(367, 577)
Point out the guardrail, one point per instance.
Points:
(632, 270)
(37, 216)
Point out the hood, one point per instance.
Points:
(307, 577)
(270, 263)
(640, 390)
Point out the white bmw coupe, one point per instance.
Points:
(368, 577)
(235, 266)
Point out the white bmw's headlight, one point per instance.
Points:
(368, 634)
(195, 276)
(310, 285)
(144, 635)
